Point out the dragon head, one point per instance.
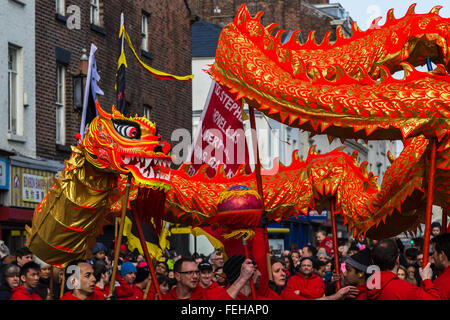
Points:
(128, 145)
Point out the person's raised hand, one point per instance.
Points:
(426, 273)
(247, 269)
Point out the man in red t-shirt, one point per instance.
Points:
(187, 275)
(29, 276)
(305, 283)
(80, 278)
(441, 256)
(385, 285)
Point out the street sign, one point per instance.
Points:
(315, 215)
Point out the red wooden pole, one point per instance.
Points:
(138, 225)
(429, 208)
(252, 285)
(119, 235)
(259, 184)
(337, 266)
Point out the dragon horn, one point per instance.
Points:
(390, 15)
(355, 157)
(411, 9)
(391, 157)
(101, 112)
(436, 9)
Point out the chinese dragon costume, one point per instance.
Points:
(344, 89)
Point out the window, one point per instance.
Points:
(95, 12)
(60, 7)
(60, 104)
(12, 89)
(144, 32)
(148, 111)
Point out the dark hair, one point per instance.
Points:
(311, 249)
(29, 266)
(142, 274)
(177, 265)
(163, 263)
(274, 260)
(8, 270)
(418, 242)
(306, 258)
(292, 269)
(442, 244)
(384, 254)
(162, 279)
(24, 251)
(73, 263)
(411, 253)
(318, 263)
(99, 269)
(400, 245)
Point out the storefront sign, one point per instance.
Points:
(315, 215)
(4, 174)
(29, 186)
(33, 187)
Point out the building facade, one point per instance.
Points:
(42, 46)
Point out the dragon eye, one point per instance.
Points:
(127, 129)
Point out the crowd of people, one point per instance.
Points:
(379, 270)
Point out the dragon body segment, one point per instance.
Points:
(344, 89)
(367, 209)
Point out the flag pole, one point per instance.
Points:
(119, 236)
(337, 268)
(429, 207)
(138, 225)
(259, 184)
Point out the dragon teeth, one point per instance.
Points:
(152, 173)
(126, 160)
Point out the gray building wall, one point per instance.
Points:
(17, 27)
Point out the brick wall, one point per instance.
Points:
(170, 47)
(288, 14)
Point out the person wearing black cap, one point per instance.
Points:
(212, 288)
(356, 272)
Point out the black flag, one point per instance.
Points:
(121, 103)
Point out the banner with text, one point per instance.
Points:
(221, 138)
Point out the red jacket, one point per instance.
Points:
(125, 291)
(326, 243)
(392, 288)
(442, 283)
(310, 288)
(198, 294)
(20, 293)
(94, 296)
(362, 292)
(215, 292)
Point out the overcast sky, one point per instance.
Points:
(365, 11)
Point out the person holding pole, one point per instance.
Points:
(385, 284)
(441, 257)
